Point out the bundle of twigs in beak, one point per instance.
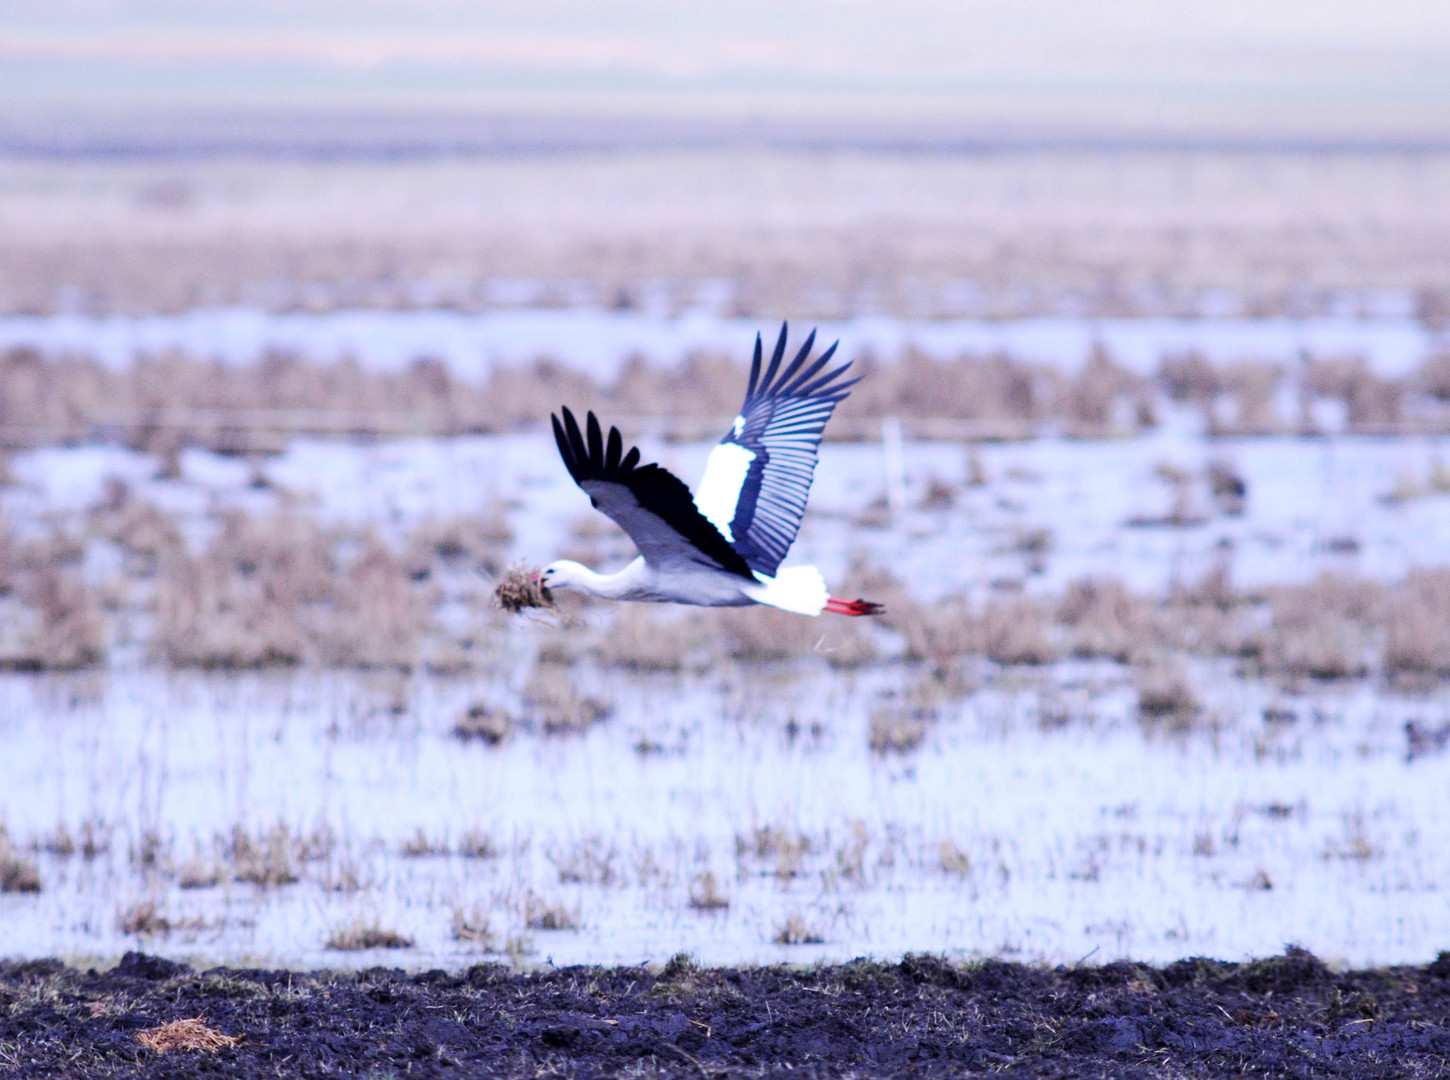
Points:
(519, 588)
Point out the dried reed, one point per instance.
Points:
(520, 588)
(189, 1034)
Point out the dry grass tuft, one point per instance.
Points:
(145, 918)
(894, 731)
(953, 860)
(540, 914)
(706, 895)
(478, 844)
(145, 532)
(519, 588)
(198, 874)
(642, 639)
(493, 726)
(1017, 632)
(269, 860)
(189, 1034)
(1104, 619)
(763, 635)
(16, 874)
(1319, 630)
(364, 935)
(553, 704)
(422, 846)
(473, 927)
(1417, 625)
(1164, 694)
(796, 931)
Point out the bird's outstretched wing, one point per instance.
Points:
(648, 502)
(758, 479)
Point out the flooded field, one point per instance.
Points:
(1109, 714)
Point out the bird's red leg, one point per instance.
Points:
(854, 607)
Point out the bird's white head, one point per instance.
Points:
(564, 574)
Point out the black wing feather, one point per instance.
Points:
(654, 488)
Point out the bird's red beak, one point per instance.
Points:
(535, 578)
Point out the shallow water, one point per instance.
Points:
(1001, 835)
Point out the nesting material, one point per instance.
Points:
(519, 588)
(191, 1034)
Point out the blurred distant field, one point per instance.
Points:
(763, 232)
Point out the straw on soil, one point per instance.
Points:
(189, 1034)
(519, 588)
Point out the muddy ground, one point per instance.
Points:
(1286, 1016)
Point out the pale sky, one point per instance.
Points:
(1329, 65)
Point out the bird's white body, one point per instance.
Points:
(722, 546)
(800, 589)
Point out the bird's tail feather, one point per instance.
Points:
(800, 589)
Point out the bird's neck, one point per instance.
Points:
(615, 586)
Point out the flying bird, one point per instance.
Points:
(723, 546)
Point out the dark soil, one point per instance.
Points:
(1286, 1016)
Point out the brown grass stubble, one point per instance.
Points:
(282, 590)
(163, 403)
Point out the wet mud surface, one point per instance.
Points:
(1286, 1016)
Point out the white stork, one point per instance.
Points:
(722, 547)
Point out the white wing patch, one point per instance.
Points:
(719, 491)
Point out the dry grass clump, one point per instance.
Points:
(519, 588)
(643, 639)
(785, 847)
(1103, 618)
(937, 632)
(50, 619)
(377, 618)
(1421, 739)
(893, 731)
(59, 626)
(1015, 631)
(552, 702)
(764, 635)
(145, 918)
(17, 875)
(269, 860)
(147, 533)
(422, 846)
(706, 895)
(954, 862)
(1005, 397)
(188, 1034)
(1105, 399)
(540, 914)
(1235, 399)
(476, 540)
(478, 844)
(244, 602)
(480, 721)
(1165, 695)
(1417, 625)
(274, 592)
(796, 931)
(1019, 631)
(1374, 405)
(1319, 630)
(473, 927)
(366, 935)
(198, 874)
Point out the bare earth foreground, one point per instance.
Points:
(1286, 1016)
